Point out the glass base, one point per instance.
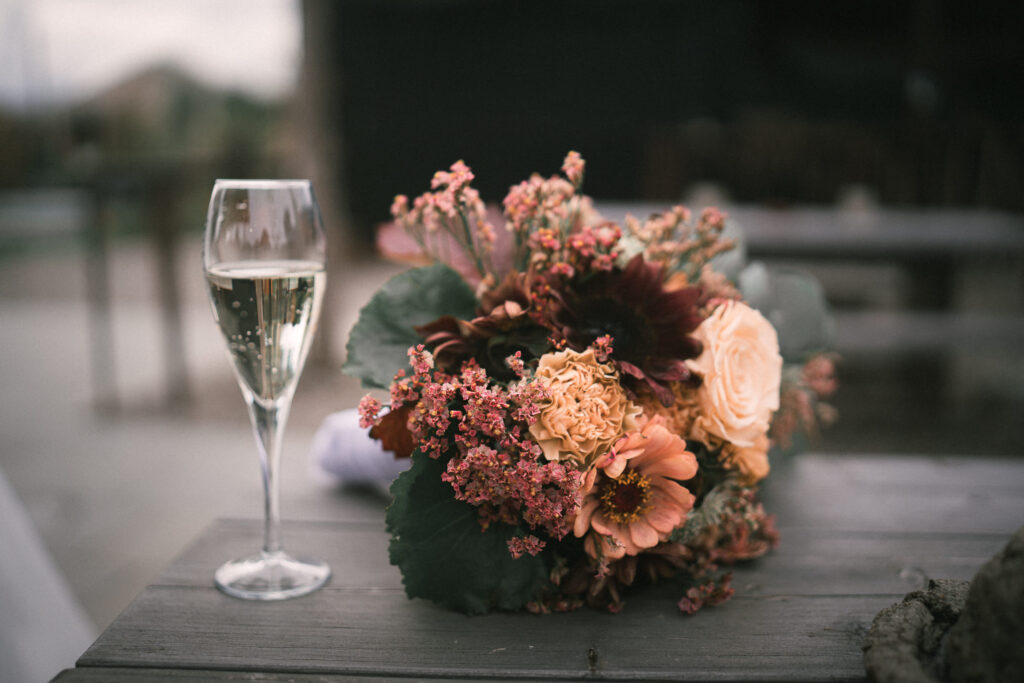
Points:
(271, 576)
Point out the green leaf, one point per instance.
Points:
(444, 555)
(706, 514)
(794, 303)
(381, 337)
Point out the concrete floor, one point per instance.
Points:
(115, 494)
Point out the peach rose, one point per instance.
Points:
(741, 370)
(587, 410)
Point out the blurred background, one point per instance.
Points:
(877, 146)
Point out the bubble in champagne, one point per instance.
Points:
(267, 360)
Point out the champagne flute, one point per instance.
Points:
(264, 255)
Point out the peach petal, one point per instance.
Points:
(658, 456)
(671, 507)
(628, 547)
(665, 518)
(610, 550)
(616, 530)
(677, 492)
(643, 534)
(616, 466)
(630, 450)
(602, 525)
(677, 467)
(583, 517)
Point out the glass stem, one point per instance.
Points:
(268, 420)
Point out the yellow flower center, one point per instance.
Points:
(626, 499)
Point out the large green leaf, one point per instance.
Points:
(381, 337)
(446, 557)
(794, 303)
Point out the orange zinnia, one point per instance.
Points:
(632, 499)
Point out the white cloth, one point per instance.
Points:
(347, 455)
(42, 627)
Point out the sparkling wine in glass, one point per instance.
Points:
(264, 255)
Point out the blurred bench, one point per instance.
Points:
(84, 214)
(935, 248)
(930, 243)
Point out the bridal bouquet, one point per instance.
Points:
(587, 405)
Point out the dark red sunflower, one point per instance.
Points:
(504, 329)
(649, 324)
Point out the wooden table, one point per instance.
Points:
(858, 532)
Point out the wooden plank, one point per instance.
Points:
(858, 533)
(843, 563)
(799, 612)
(808, 561)
(134, 675)
(356, 551)
(379, 632)
(147, 675)
(899, 494)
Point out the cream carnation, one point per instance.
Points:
(587, 410)
(741, 370)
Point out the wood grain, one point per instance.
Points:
(809, 561)
(898, 494)
(131, 675)
(380, 632)
(858, 533)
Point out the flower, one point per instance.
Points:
(750, 461)
(524, 545)
(452, 218)
(679, 416)
(587, 410)
(604, 408)
(651, 325)
(741, 369)
(630, 499)
(819, 375)
(711, 592)
(572, 167)
(802, 408)
(392, 430)
(683, 247)
(505, 329)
